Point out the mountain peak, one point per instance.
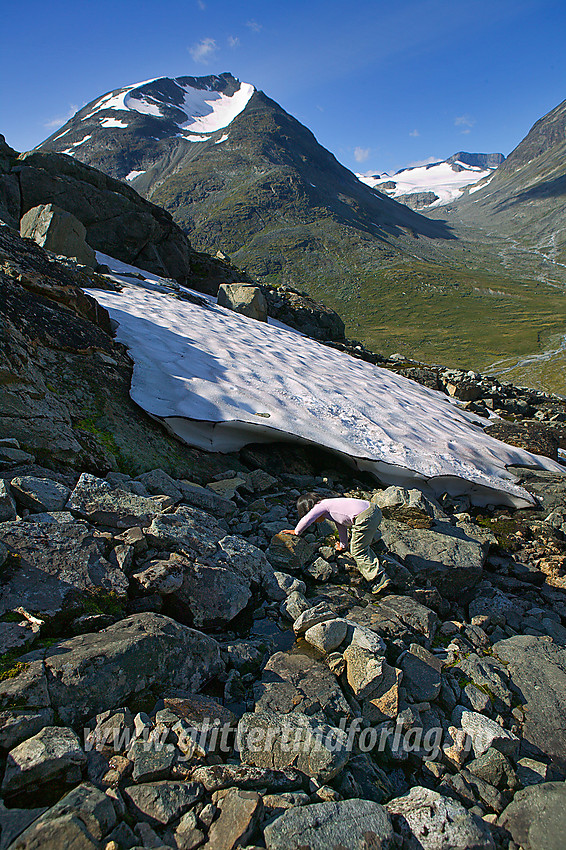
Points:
(177, 105)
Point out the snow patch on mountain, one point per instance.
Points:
(219, 380)
(208, 111)
(447, 180)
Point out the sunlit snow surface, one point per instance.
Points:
(439, 178)
(220, 380)
(206, 110)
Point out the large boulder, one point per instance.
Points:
(118, 221)
(293, 682)
(537, 670)
(58, 231)
(245, 299)
(429, 821)
(447, 557)
(269, 739)
(87, 674)
(54, 567)
(347, 823)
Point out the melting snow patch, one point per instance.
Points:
(473, 189)
(208, 111)
(189, 138)
(133, 174)
(76, 144)
(220, 380)
(113, 122)
(221, 139)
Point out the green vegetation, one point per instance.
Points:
(10, 666)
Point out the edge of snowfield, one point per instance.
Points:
(219, 380)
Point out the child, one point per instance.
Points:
(361, 516)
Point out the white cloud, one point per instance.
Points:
(465, 121)
(361, 154)
(233, 41)
(428, 161)
(58, 122)
(414, 133)
(254, 26)
(201, 4)
(203, 50)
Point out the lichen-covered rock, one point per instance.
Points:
(48, 755)
(89, 672)
(95, 500)
(268, 739)
(159, 803)
(294, 682)
(429, 821)
(55, 566)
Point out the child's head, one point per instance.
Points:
(306, 503)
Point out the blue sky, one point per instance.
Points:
(381, 84)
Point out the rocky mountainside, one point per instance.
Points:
(239, 174)
(524, 198)
(146, 692)
(436, 183)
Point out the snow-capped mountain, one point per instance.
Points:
(434, 184)
(121, 128)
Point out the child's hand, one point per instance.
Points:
(340, 547)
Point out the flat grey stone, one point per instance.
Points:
(317, 614)
(448, 558)
(485, 733)
(188, 531)
(421, 673)
(293, 606)
(267, 739)
(160, 803)
(408, 611)
(218, 776)
(158, 483)
(295, 682)
(537, 668)
(281, 585)
(352, 824)
(206, 499)
(39, 494)
(364, 671)
(57, 565)
(536, 818)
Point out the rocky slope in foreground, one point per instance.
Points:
(431, 717)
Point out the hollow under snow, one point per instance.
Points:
(219, 380)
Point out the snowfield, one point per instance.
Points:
(439, 178)
(219, 380)
(206, 111)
